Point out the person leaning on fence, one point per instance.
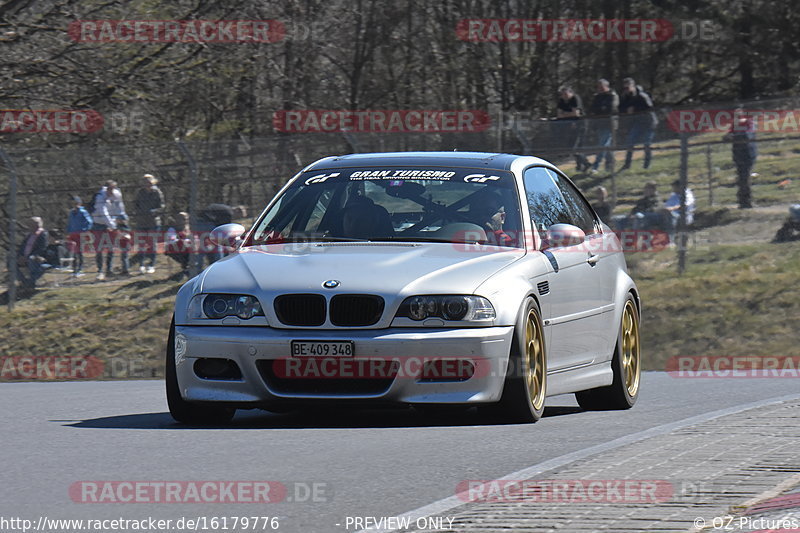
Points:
(109, 208)
(604, 110)
(31, 262)
(569, 112)
(79, 221)
(641, 121)
(148, 208)
(745, 152)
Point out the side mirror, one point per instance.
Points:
(227, 235)
(560, 235)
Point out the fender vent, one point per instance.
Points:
(543, 287)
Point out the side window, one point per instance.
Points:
(580, 212)
(545, 201)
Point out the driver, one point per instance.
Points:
(487, 210)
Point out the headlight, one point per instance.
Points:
(455, 308)
(218, 306)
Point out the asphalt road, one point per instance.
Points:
(364, 463)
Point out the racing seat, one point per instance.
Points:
(364, 219)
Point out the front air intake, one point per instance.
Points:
(300, 309)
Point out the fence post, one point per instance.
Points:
(500, 130)
(194, 256)
(710, 170)
(12, 229)
(680, 233)
(612, 154)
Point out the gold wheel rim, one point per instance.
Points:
(534, 351)
(631, 368)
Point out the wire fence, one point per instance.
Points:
(248, 171)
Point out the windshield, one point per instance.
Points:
(395, 203)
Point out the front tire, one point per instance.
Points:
(525, 387)
(180, 409)
(626, 364)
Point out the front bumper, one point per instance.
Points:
(255, 348)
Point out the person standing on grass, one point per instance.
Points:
(569, 112)
(108, 210)
(79, 221)
(148, 208)
(642, 122)
(745, 152)
(604, 110)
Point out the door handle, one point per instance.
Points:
(593, 259)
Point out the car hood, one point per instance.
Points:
(388, 269)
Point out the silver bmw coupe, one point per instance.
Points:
(428, 279)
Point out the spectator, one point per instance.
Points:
(180, 243)
(31, 262)
(639, 105)
(56, 249)
(149, 206)
(672, 207)
(123, 239)
(212, 216)
(646, 211)
(569, 110)
(240, 213)
(601, 204)
(79, 221)
(745, 152)
(790, 231)
(108, 210)
(604, 110)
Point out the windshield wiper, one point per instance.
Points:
(335, 239)
(419, 239)
(309, 240)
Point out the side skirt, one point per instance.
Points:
(577, 379)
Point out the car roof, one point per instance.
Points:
(488, 160)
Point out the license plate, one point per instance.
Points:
(323, 349)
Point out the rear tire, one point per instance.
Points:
(525, 387)
(180, 409)
(626, 364)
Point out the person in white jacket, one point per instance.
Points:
(108, 214)
(673, 205)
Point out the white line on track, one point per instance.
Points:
(442, 506)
